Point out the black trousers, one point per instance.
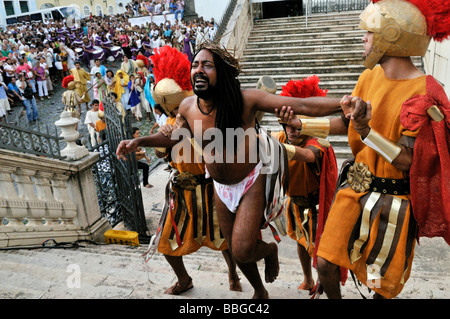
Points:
(144, 167)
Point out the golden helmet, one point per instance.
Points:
(169, 94)
(399, 27)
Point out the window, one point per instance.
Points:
(98, 10)
(11, 20)
(86, 11)
(56, 15)
(23, 19)
(24, 6)
(36, 17)
(110, 10)
(9, 8)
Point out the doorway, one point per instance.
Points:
(279, 9)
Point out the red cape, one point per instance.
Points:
(430, 169)
(328, 179)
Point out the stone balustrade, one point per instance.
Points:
(238, 29)
(43, 198)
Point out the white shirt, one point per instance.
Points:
(91, 117)
(161, 119)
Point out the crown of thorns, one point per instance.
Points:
(223, 53)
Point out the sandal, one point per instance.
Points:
(148, 186)
(176, 289)
(303, 286)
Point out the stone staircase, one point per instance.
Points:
(109, 271)
(285, 49)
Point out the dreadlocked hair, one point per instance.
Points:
(228, 97)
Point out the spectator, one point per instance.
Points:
(41, 80)
(140, 154)
(100, 126)
(161, 118)
(14, 92)
(29, 101)
(180, 9)
(91, 120)
(4, 102)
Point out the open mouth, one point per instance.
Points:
(200, 81)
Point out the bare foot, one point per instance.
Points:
(262, 295)
(179, 288)
(235, 285)
(272, 265)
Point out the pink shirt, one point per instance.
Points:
(23, 68)
(124, 37)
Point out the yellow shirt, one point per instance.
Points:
(100, 125)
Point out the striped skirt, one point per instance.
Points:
(373, 235)
(189, 220)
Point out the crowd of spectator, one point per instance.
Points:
(35, 57)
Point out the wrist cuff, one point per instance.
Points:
(290, 150)
(315, 127)
(387, 149)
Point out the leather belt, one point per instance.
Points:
(390, 186)
(361, 180)
(188, 181)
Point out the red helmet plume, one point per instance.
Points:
(306, 88)
(67, 80)
(170, 63)
(437, 15)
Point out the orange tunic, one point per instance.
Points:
(304, 179)
(193, 212)
(385, 245)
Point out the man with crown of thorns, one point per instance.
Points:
(245, 199)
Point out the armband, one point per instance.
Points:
(290, 151)
(161, 149)
(435, 113)
(315, 127)
(384, 147)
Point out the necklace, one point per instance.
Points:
(200, 109)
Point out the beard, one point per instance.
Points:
(203, 89)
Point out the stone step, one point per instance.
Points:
(275, 56)
(301, 22)
(296, 48)
(115, 271)
(296, 29)
(349, 16)
(284, 78)
(278, 36)
(322, 84)
(297, 41)
(303, 68)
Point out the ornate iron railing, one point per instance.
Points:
(117, 181)
(326, 6)
(40, 141)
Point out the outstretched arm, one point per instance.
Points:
(316, 106)
(287, 116)
(156, 140)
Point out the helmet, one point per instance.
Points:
(169, 94)
(399, 27)
(172, 78)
